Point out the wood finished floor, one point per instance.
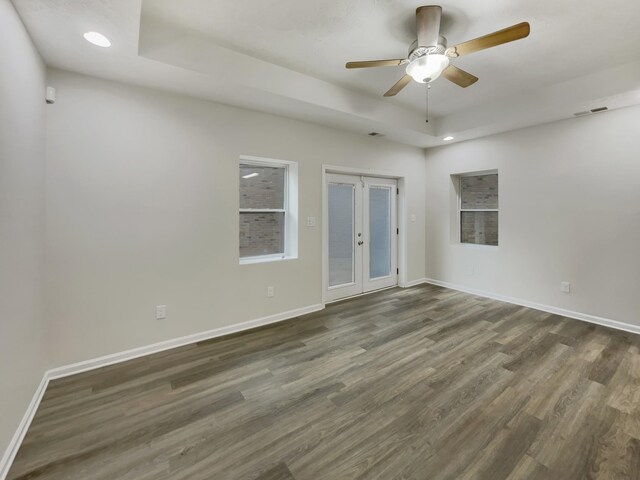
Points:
(422, 383)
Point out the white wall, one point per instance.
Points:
(22, 167)
(142, 198)
(569, 211)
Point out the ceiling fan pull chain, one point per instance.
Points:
(427, 105)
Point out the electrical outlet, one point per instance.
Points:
(413, 217)
(565, 287)
(161, 312)
(311, 221)
(270, 292)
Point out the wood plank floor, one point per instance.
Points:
(420, 383)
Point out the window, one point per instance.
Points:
(478, 209)
(268, 209)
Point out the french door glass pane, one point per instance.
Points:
(341, 234)
(479, 227)
(261, 233)
(379, 232)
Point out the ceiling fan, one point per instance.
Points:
(429, 55)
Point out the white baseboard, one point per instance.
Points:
(413, 283)
(114, 358)
(585, 317)
(16, 441)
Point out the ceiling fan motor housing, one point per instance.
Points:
(415, 51)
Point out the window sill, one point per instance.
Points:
(265, 259)
(492, 248)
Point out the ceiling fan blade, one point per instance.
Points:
(400, 84)
(506, 35)
(428, 25)
(458, 76)
(376, 63)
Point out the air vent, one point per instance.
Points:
(589, 112)
(375, 134)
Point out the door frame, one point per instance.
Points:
(402, 218)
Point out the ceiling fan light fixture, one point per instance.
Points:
(427, 68)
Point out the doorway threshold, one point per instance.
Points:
(350, 297)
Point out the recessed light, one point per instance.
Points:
(251, 175)
(448, 139)
(97, 39)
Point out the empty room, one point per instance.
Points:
(341, 239)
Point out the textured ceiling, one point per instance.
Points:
(569, 38)
(287, 57)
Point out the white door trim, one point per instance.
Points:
(402, 218)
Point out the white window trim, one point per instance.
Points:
(290, 209)
(278, 257)
(460, 210)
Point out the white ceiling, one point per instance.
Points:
(287, 57)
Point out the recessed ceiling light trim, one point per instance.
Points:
(97, 39)
(448, 138)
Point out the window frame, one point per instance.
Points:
(290, 204)
(461, 210)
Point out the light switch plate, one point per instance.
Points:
(311, 221)
(161, 312)
(565, 287)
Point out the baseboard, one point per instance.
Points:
(18, 437)
(65, 371)
(585, 317)
(413, 283)
(113, 358)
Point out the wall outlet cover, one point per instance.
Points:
(565, 287)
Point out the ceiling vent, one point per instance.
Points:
(589, 112)
(375, 134)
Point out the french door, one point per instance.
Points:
(362, 235)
